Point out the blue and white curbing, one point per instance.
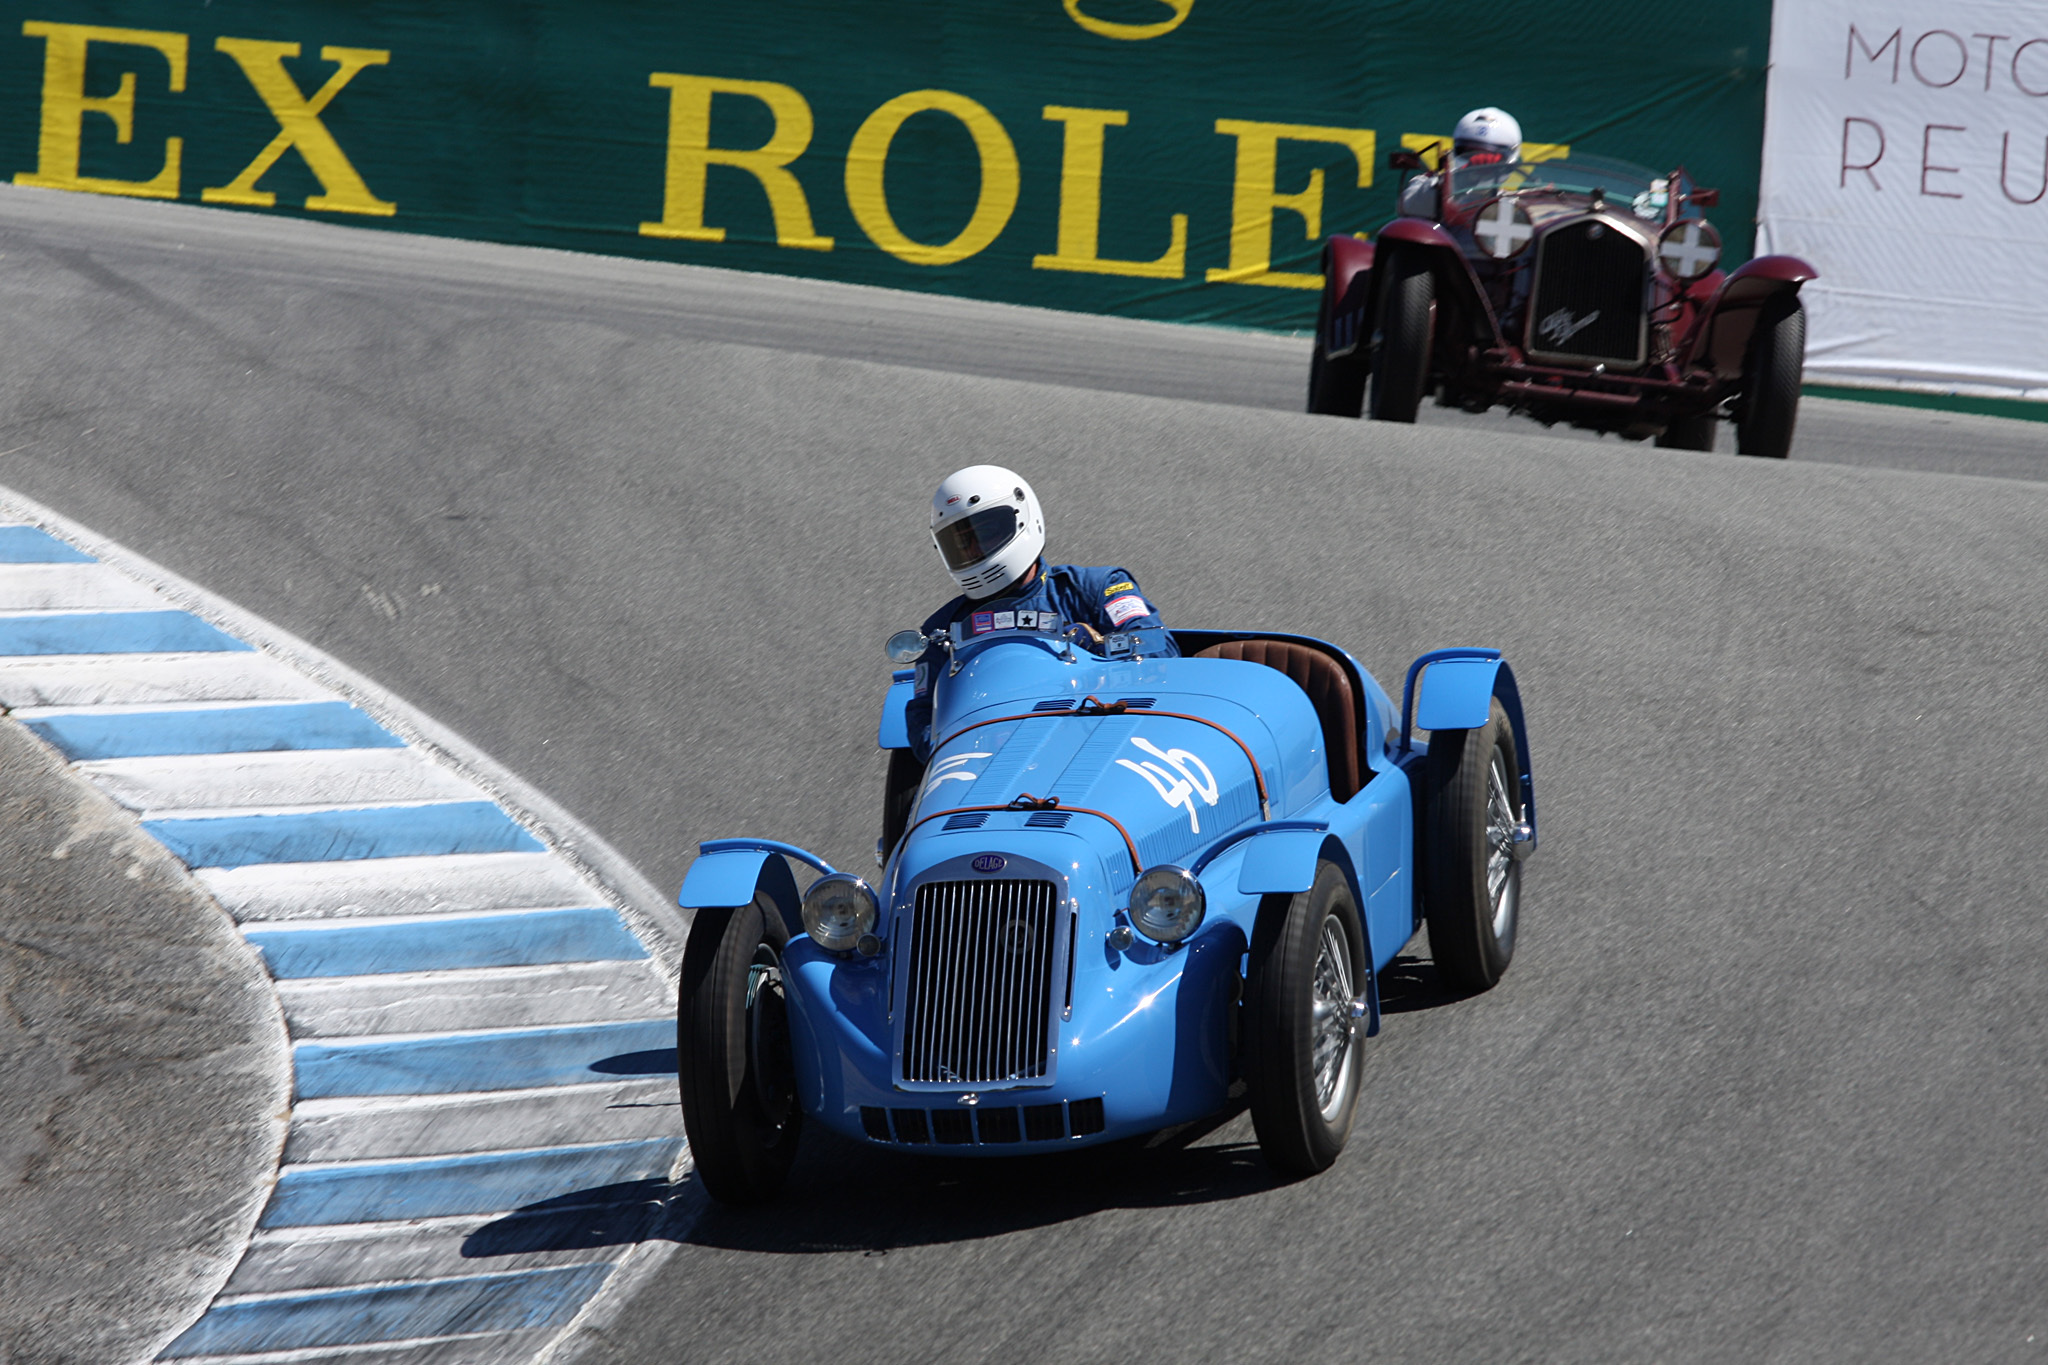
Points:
(479, 991)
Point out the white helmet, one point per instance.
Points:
(987, 526)
(1488, 131)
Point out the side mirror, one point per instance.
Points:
(905, 647)
(1706, 199)
(1405, 160)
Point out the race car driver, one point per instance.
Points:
(987, 527)
(1484, 137)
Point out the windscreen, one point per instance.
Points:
(976, 536)
(1619, 180)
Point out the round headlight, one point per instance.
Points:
(1167, 904)
(1689, 249)
(838, 910)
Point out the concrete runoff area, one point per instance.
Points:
(1765, 1076)
(146, 1077)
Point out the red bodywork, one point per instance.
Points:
(1699, 329)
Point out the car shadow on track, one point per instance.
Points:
(1411, 983)
(845, 1196)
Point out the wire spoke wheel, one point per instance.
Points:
(1501, 824)
(1332, 1017)
(1472, 880)
(1301, 1055)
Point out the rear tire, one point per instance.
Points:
(733, 1061)
(1404, 339)
(1770, 379)
(1697, 432)
(1472, 885)
(1336, 387)
(1301, 1049)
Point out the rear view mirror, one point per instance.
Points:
(1404, 160)
(905, 647)
(1706, 199)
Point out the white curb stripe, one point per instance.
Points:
(459, 1274)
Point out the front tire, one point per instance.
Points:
(1472, 887)
(1771, 378)
(733, 1061)
(1406, 335)
(1301, 1049)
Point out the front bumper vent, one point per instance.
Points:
(978, 1000)
(984, 1125)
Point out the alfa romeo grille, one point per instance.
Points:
(1588, 302)
(980, 982)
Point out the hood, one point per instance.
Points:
(1009, 728)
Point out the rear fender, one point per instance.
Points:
(1722, 343)
(735, 871)
(1347, 280)
(1457, 690)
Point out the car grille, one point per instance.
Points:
(1588, 300)
(979, 990)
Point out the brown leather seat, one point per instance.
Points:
(1328, 687)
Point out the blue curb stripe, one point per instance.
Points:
(447, 1064)
(397, 1312)
(114, 632)
(33, 545)
(439, 1187)
(519, 939)
(343, 835)
(214, 730)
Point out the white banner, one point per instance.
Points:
(1906, 158)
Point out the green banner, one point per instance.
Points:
(1176, 159)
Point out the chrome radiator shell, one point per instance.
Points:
(981, 976)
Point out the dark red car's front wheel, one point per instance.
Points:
(1406, 330)
(1770, 380)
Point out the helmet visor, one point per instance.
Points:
(976, 536)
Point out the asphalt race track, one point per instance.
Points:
(1766, 1081)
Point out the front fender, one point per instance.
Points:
(1723, 341)
(893, 731)
(1453, 272)
(735, 871)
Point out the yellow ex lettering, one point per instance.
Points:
(299, 127)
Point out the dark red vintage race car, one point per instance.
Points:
(1581, 290)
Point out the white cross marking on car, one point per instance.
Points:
(1686, 254)
(1181, 786)
(1502, 229)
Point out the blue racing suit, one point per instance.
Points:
(1105, 598)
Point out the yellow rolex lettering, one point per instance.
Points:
(1254, 198)
(690, 153)
(65, 105)
(300, 128)
(1080, 226)
(867, 159)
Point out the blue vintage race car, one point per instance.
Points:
(1126, 880)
